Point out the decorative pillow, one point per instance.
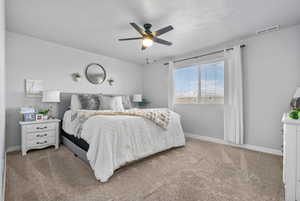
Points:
(75, 103)
(126, 102)
(111, 103)
(89, 101)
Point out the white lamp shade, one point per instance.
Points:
(297, 94)
(137, 98)
(51, 96)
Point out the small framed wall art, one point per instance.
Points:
(33, 88)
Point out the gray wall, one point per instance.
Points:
(31, 58)
(271, 75)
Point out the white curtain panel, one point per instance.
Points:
(171, 87)
(233, 108)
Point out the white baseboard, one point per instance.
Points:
(13, 148)
(243, 146)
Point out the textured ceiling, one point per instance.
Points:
(95, 25)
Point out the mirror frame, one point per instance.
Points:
(100, 67)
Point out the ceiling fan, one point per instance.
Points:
(149, 36)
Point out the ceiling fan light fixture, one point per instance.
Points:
(149, 37)
(147, 42)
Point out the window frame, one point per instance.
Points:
(199, 63)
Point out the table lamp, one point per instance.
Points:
(51, 97)
(137, 98)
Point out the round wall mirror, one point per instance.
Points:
(95, 73)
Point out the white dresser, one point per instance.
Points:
(39, 134)
(291, 158)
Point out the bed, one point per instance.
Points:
(108, 142)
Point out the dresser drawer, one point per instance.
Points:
(40, 127)
(41, 142)
(40, 135)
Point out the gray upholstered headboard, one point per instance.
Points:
(64, 105)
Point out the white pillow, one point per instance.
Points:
(111, 103)
(127, 104)
(118, 104)
(75, 102)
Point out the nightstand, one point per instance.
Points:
(39, 134)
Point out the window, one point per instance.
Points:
(201, 83)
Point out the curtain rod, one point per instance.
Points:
(203, 55)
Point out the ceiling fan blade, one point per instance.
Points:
(143, 47)
(139, 29)
(161, 41)
(163, 30)
(137, 38)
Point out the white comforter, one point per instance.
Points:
(117, 140)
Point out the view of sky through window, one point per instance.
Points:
(209, 78)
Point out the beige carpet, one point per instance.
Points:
(200, 171)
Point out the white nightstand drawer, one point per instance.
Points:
(40, 127)
(40, 135)
(42, 142)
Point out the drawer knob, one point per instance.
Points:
(38, 135)
(41, 127)
(42, 142)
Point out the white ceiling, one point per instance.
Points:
(95, 25)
